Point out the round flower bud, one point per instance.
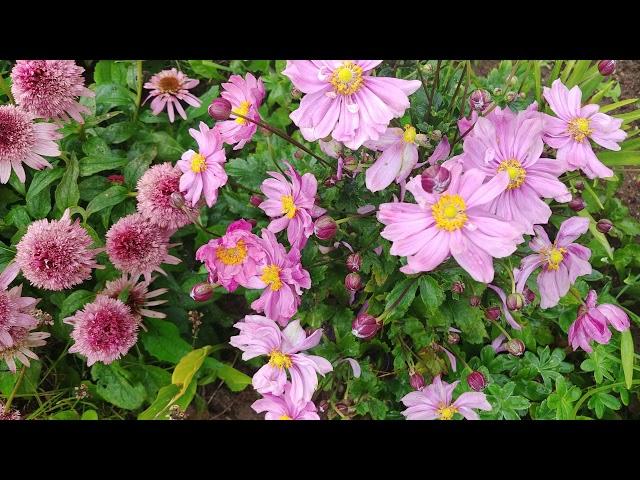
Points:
(365, 326)
(492, 313)
(353, 282)
(350, 163)
(220, 109)
(579, 185)
(479, 100)
(416, 380)
(576, 204)
(457, 287)
(515, 346)
(435, 179)
(116, 179)
(202, 292)
(453, 338)
(298, 154)
(325, 227)
(606, 67)
(295, 93)
(604, 225)
(331, 181)
(515, 301)
(511, 96)
(476, 381)
(497, 91)
(474, 301)
(256, 200)
(354, 262)
(177, 200)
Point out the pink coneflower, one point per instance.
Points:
(285, 407)
(23, 340)
(203, 172)
(246, 96)
(262, 336)
(138, 247)
(55, 255)
(452, 223)
(592, 323)
(168, 87)
(281, 277)
(103, 331)
(234, 258)
(575, 125)
(434, 402)
(16, 311)
(345, 101)
(562, 261)
(155, 189)
(291, 205)
(512, 143)
(50, 88)
(23, 141)
(139, 298)
(12, 414)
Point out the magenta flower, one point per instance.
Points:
(291, 205)
(343, 99)
(285, 407)
(592, 323)
(139, 298)
(168, 87)
(434, 402)
(261, 336)
(234, 258)
(562, 261)
(16, 311)
(512, 143)
(574, 125)
(246, 96)
(203, 172)
(282, 278)
(451, 223)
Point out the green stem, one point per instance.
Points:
(139, 89)
(501, 328)
(272, 154)
(593, 391)
(576, 294)
(7, 406)
(455, 92)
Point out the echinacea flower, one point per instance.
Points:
(103, 330)
(285, 407)
(203, 172)
(24, 141)
(291, 205)
(16, 311)
(562, 261)
(509, 142)
(50, 88)
(138, 296)
(574, 125)
(168, 87)
(262, 336)
(234, 258)
(138, 247)
(23, 339)
(245, 95)
(434, 402)
(12, 414)
(155, 190)
(451, 223)
(593, 323)
(281, 277)
(55, 255)
(343, 99)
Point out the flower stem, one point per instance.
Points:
(7, 406)
(139, 89)
(501, 328)
(593, 391)
(576, 294)
(436, 80)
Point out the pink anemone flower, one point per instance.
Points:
(285, 407)
(245, 95)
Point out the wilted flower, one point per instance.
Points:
(23, 339)
(168, 87)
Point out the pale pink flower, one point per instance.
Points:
(16, 311)
(262, 336)
(434, 402)
(245, 95)
(139, 298)
(285, 407)
(168, 87)
(343, 99)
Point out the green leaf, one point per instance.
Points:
(75, 301)
(89, 415)
(188, 366)
(431, 293)
(400, 298)
(111, 95)
(600, 237)
(563, 398)
(613, 106)
(168, 396)
(163, 341)
(38, 198)
(118, 386)
(626, 355)
(98, 163)
(205, 98)
(110, 71)
(234, 379)
(67, 192)
(140, 157)
(153, 378)
(110, 197)
(65, 415)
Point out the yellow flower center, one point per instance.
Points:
(243, 109)
(517, 174)
(579, 128)
(198, 163)
(285, 417)
(280, 360)
(448, 212)
(288, 207)
(232, 255)
(409, 134)
(553, 257)
(271, 276)
(445, 412)
(347, 78)
(169, 84)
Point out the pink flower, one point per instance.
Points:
(234, 258)
(246, 96)
(262, 336)
(282, 278)
(168, 87)
(16, 311)
(23, 141)
(574, 125)
(103, 331)
(291, 205)
(509, 142)
(451, 223)
(203, 172)
(55, 255)
(562, 261)
(50, 88)
(343, 99)
(285, 407)
(592, 323)
(23, 339)
(139, 298)
(435, 402)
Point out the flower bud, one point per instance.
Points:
(604, 225)
(331, 181)
(323, 406)
(497, 91)
(515, 301)
(457, 287)
(365, 326)
(202, 292)
(256, 200)
(354, 262)
(515, 346)
(220, 109)
(350, 163)
(529, 295)
(511, 96)
(476, 381)
(576, 204)
(474, 301)
(606, 67)
(416, 380)
(479, 100)
(295, 93)
(325, 227)
(435, 179)
(579, 185)
(522, 95)
(298, 154)
(453, 338)
(116, 179)
(492, 313)
(353, 282)
(177, 200)
(436, 135)
(253, 222)
(427, 68)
